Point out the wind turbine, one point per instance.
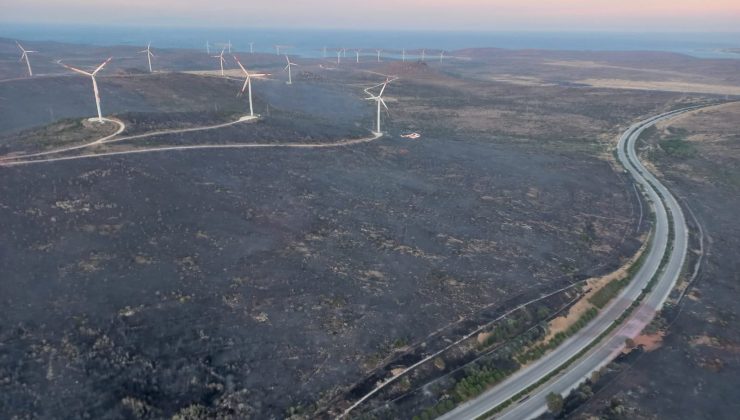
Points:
(229, 46)
(339, 56)
(248, 84)
(149, 55)
(403, 55)
(423, 55)
(95, 83)
(24, 55)
(221, 60)
(290, 77)
(208, 48)
(357, 52)
(251, 47)
(379, 51)
(324, 51)
(379, 100)
(277, 49)
(441, 55)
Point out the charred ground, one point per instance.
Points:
(247, 282)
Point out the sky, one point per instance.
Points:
(491, 15)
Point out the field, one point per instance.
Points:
(260, 282)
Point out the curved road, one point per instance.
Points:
(113, 137)
(602, 353)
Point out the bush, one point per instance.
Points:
(554, 403)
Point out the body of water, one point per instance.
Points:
(310, 42)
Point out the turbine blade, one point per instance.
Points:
(74, 69)
(100, 67)
(240, 66)
(246, 82)
(383, 89)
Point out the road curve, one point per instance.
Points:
(114, 137)
(121, 128)
(607, 349)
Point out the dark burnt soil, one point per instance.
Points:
(245, 282)
(278, 128)
(158, 282)
(695, 374)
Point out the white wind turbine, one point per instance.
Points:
(208, 48)
(149, 55)
(357, 53)
(229, 46)
(379, 100)
(94, 82)
(221, 60)
(251, 47)
(423, 55)
(24, 56)
(441, 55)
(248, 84)
(403, 55)
(378, 51)
(339, 56)
(290, 77)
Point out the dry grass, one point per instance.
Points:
(666, 86)
(562, 323)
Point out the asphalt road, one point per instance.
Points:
(534, 404)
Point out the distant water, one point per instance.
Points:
(307, 42)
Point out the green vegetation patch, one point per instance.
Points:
(675, 144)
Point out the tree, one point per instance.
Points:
(554, 403)
(630, 343)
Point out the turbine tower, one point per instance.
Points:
(251, 47)
(378, 51)
(94, 82)
(403, 55)
(339, 56)
(221, 60)
(423, 55)
(24, 56)
(441, 55)
(357, 53)
(290, 77)
(248, 84)
(208, 48)
(149, 55)
(379, 100)
(229, 46)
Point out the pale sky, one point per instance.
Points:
(529, 15)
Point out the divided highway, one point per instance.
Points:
(669, 231)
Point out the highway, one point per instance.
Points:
(606, 350)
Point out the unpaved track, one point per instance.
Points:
(113, 138)
(340, 143)
(121, 128)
